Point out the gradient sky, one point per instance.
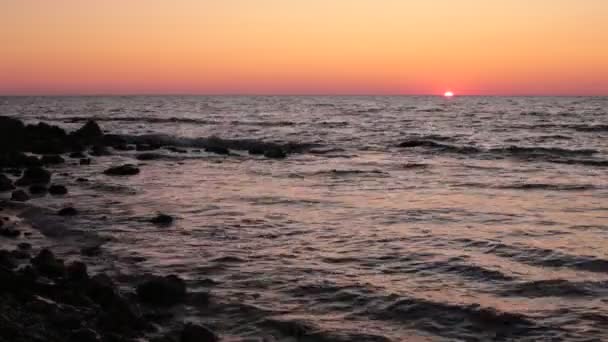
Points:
(548, 47)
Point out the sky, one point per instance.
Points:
(483, 47)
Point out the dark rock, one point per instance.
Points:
(14, 172)
(24, 246)
(11, 134)
(77, 155)
(46, 263)
(58, 189)
(100, 150)
(52, 159)
(5, 183)
(124, 170)
(275, 153)
(20, 254)
(10, 232)
(176, 149)
(85, 161)
(146, 147)
(149, 156)
(167, 290)
(256, 150)
(34, 175)
(68, 211)
(162, 219)
(83, 335)
(91, 251)
(197, 333)
(123, 147)
(89, 132)
(81, 180)
(20, 196)
(217, 150)
(6, 260)
(38, 189)
(77, 271)
(101, 289)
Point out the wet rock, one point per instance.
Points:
(176, 149)
(20, 196)
(81, 180)
(52, 159)
(11, 133)
(77, 155)
(20, 254)
(162, 219)
(46, 263)
(85, 161)
(146, 147)
(197, 333)
(275, 153)
(6, 184)
(89, 132)
(149, 156)
(99, 151)
(67, 211)
(124, 170)
(25, 246)
(6, 260)
(256, 150)
(38, 189)
(123, 147)
(56, 189)
(83, 335)
(217, 150)
(157, 290)
(34, 175)
(91, 251)
(9, 232)
(77, 271)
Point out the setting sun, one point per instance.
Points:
(448, 94)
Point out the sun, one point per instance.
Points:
(448, 94)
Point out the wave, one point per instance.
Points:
(153, 120)
(530, 186)
(555, 288)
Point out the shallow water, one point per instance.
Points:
(488, 222)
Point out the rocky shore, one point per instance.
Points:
(45, 298)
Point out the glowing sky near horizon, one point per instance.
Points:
(304, 47)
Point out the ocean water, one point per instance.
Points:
(407, 219)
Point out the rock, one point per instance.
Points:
(91, 251)
(20, 196)
(6, 260)
(256, 150)
(10, 232)
(100, 150)
(77, 271)
(34, 175)
(46, 263)
(176, 149)
(6, 184)
(149, 156)
(146, 147)
(38, 189)
(157, 290)
(89, 132)
(77, 155)
(162, 219)
(197, 333)
(275, 153)
(67, 211)
(52, 159)
(85, 161)
(20, 254)
(24, 246)
(124, 170)
(81, 180)
(58, 189)
(123, 147)
(217, 150)
(83, 335)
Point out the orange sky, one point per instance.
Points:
(304, 46)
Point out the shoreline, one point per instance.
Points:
(44, 297)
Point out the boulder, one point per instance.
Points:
(197, 333)
(275, 153)
(46, 263)
(10, 232)
(38, 189)
(256, 150)
(58, 189)
(157, 290)
(217, 150)
(68, 211)
(162, 219)
(11, 133)
(52, 159)
(100, 150)
(34, 175)
(24, 246)
(5, 183)
(77, 271)
(123, 170)
(20, 196)
(89, 132)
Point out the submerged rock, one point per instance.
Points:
(52, 159)
(217, 150)
(162, 219)
(91, 251)
(68, 211)
(5, 183)
(38, 189)
(275, 153)
(157, 290)
(197, 333)
(20, 196)
(149, 156)
(34, 175)
(10, 232)
(123, 170)
(58, 189)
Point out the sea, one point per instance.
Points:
(406, 218)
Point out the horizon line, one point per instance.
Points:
(289, 95)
